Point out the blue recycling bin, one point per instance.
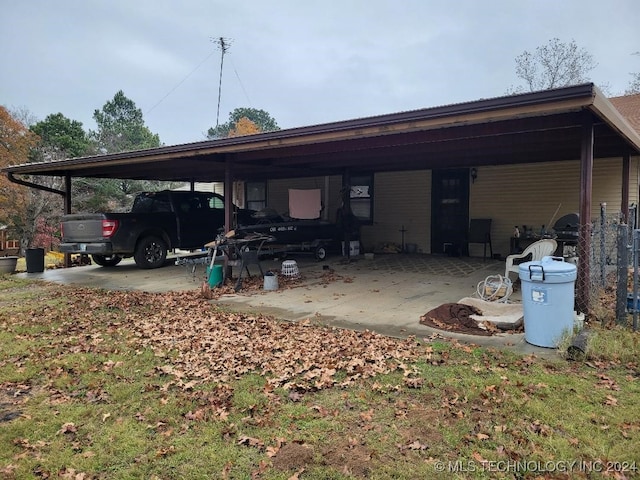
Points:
(548, 296)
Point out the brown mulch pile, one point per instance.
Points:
(455, 317)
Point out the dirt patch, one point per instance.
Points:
(293, 456)
(349, 459)
(455, 317)
(344, 457)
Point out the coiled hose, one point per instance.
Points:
(495, 288)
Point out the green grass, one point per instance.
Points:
(82, 394)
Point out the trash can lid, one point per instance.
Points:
(554, 267)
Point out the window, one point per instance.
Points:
(151, 202)
(362, 197)
(256, 194)
(214, 202)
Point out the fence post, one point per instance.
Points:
(636, 249)
(623, 268)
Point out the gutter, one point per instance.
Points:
(12, 178)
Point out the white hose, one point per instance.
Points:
(495, 288)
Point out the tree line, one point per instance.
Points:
(33, 215)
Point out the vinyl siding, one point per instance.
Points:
(525, 194)
(401, 199)
(530, 194)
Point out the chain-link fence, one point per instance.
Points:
(611, 258)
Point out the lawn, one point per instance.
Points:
(120, 385)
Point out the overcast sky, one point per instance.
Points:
(304, 61)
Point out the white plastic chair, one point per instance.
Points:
(537, 250)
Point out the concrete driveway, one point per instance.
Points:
(386, 294)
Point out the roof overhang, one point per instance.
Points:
(532, 127)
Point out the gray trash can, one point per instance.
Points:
(35, 260)
(548, 292)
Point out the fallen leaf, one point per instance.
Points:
(251, 442)
(296, 476)
(67, 428)
(611, 401)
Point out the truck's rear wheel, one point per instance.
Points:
(151, 252)
(107, 260)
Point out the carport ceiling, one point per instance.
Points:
(533, 127)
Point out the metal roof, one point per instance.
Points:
(531, 127)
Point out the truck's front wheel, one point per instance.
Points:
(106, 260)
(151, 252)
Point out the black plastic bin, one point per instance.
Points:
(35, 260)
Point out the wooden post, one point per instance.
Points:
(345, 212)
(228, 195)
(67, 210)
(626, 175)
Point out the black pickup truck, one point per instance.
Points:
(158, 222)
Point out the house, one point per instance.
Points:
(7, 245)
(420, 175)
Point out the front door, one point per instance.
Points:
(450, 211)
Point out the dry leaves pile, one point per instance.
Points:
(204, 344)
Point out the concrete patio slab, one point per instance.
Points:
(387, 294)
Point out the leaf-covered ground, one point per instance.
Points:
(97, 384)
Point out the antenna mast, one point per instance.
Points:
(223, 44)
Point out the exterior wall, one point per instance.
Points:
(529, 194)
(524, 194)
(401, 199)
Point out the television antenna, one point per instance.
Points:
(223, 45)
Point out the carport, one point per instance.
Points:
(576, 122)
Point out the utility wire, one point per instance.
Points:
(181, 82)
(241, 85)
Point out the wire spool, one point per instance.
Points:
(290, 269)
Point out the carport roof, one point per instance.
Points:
(531, 127)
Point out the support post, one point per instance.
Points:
(626, 175)
(345, 212)
(67, 210)
(228, 195)
(586, 182)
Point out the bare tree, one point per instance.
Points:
(634, 84)
(553, 65)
